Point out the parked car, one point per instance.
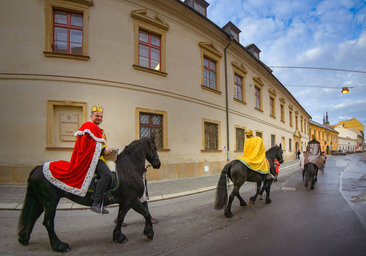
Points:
(338, 152)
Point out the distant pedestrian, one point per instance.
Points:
(324, 160)
(298, 154)
(301, 163)
(277, 164)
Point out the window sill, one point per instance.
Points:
(211, 150)
(149, 70)
(210, 89)
(163, 150)
(283, 121)
(59, 147)
(240, 101)
(238, 151)
(66, 56)
(273, 116)
(260, 110)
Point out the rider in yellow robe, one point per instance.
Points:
(254, 154)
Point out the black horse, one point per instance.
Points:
(42, 196)
(311, 173)
(239, 173)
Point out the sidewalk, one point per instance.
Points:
(12, 196)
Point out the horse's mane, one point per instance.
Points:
(130, 158)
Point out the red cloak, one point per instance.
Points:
(75, 176)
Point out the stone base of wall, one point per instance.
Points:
(15, 174)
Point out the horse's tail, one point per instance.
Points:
(221, 190)
(30, 202)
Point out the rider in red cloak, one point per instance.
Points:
(87, 158)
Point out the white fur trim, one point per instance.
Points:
(81, 133)
(89, 175)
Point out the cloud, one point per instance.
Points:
(312, 33)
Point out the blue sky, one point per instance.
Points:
(307, 33)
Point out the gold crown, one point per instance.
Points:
(97, 109)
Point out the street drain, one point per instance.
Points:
(288, 188)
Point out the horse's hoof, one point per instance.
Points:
(312, 187)
(120, 239)
(149, 232)
(243, 204)
(268, 201)
(61, 247)
(23, 240)
(228, 214)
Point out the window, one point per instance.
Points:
(282, 113)
(259, 134)
(296, 122)
(199, 8)
(302, 124)
(290, 145)
(68, 33)
(63, 119)
(210, 64)
(152, 122)
(283, 143)
(290, 117)
(238, 87)
(240, 139)
(257, 98)
(211, 135)
(67, 29)
(149, 42)
(239, 72)
(273, 140)
(209, 73)
(149, 50)
(272, 108)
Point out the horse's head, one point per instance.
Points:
(152, 154)
(279, 154)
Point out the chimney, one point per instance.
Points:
(199, 5)
(232, 30)
(254, 50)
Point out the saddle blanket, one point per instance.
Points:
(255, 155)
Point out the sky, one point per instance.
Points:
(307, 33)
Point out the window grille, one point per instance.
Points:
(152, 124)
(240, 139)
(211, 136)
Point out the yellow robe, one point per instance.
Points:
(255, 155)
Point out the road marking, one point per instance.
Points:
(288, 188)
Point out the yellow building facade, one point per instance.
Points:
(327, 136)
(157, 67)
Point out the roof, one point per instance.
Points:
(322, 126)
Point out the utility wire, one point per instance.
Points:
(319, 68)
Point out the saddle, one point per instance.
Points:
(113, 186)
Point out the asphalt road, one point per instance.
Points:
(325, 221)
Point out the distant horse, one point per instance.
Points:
(311, 173)
(238, 174)
(42, 196)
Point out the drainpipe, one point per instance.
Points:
(227, 102)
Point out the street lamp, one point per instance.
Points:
(345, 90)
